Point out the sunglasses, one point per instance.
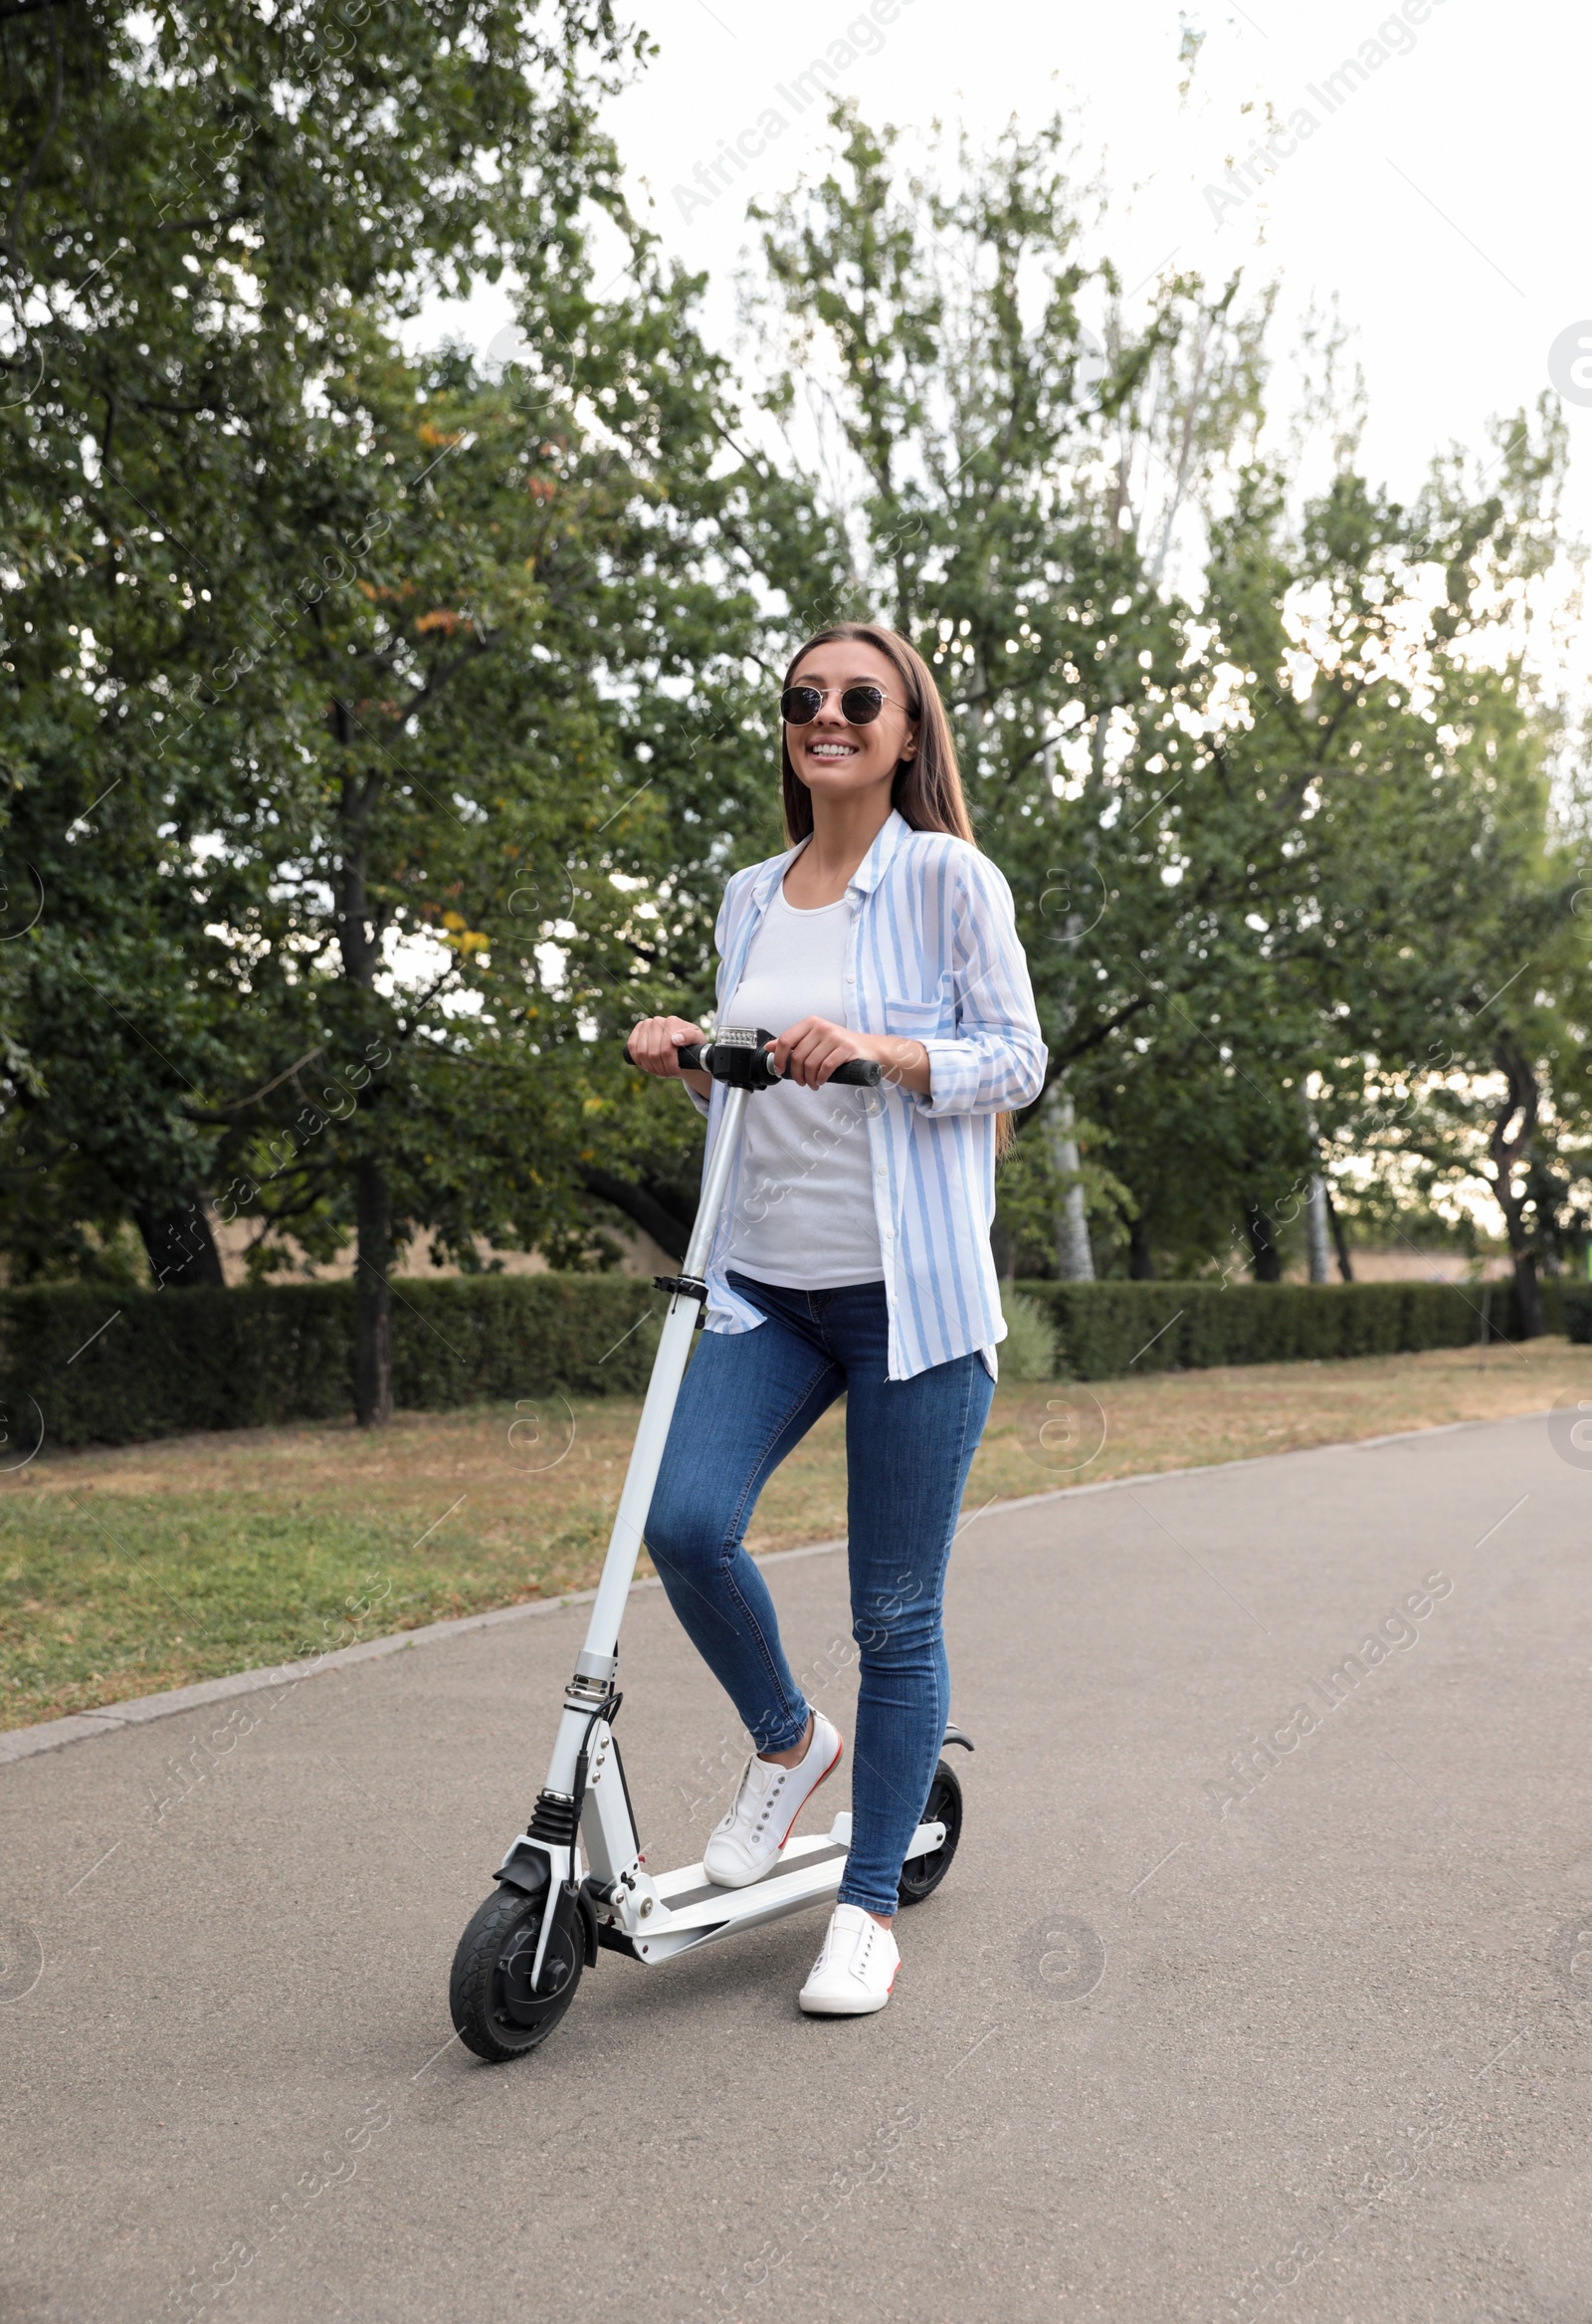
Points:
(860, 706)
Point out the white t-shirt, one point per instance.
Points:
(804, 1216)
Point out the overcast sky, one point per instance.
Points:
(1439, 190)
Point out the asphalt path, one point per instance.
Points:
(1262, 1984)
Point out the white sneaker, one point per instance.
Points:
(855, 1972)
(768, 1799)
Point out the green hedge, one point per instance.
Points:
(171, 1361)
(1105, 1329)
(176, 1360)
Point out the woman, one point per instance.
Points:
(852, 1258)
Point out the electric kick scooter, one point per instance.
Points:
(574, 1880)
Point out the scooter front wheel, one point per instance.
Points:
(495, 2010)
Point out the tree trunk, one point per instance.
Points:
(180, 1247)
(1140, 1262)
(1341, 1241)
(1528, 1296)
(1075, 1261)
(659, 1210)
(373, 1298)
(1263, 1244)
(1509, 1151)
(1317, 1231)
(361, 928)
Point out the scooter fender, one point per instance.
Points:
(526, 1868)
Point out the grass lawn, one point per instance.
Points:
(123, 1572)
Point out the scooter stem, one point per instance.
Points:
(596, 1664)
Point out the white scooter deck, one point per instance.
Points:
(683, 1910)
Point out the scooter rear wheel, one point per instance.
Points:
(494, 2011)
(921, 1875)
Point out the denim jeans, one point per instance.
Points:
(748, 1399)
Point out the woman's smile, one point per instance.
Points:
(870, 752)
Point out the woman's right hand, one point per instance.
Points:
(654, 1044)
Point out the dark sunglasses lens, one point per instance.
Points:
(860, 706)
(800, 704)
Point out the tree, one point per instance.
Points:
(1406, 753)
(1021, 487)
(1222, 835)
(191, 246)
(381, 728)
(459, 847)
(408, 703)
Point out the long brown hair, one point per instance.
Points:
(928, 790)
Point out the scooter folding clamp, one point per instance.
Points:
(682, 1286)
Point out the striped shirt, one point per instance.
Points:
(931, 952)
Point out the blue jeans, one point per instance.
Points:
(748, 1399)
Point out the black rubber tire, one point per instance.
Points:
(921, 1875)
(495, 2014)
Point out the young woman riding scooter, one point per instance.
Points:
(852, 1258)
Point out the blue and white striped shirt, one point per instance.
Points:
(931, 952)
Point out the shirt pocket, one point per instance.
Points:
(917, 1020)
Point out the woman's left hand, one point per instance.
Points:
(810, 1051)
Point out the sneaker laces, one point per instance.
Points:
(855, 1963)
(748, 1777)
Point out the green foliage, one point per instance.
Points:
(379, 730)
(212, 213)
(411, 703)
(282, 1353)
(1106, 1331)
(1028, 1350)
(250, 1358)
(1269, 791)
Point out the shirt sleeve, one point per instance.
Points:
(720, 940)
(995, 1060)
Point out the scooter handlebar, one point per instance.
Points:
(748, 1064)
(859, 1073)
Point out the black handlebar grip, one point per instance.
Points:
(689, 1057)
(857, 1072)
